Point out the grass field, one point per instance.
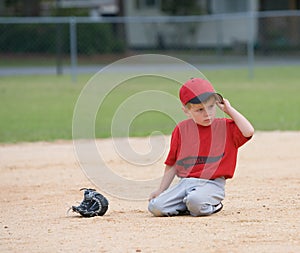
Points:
(35, 108)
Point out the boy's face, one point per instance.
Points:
(203, 114)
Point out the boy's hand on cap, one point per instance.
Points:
(224, 106)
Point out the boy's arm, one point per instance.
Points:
(167, 179)
(242, 123)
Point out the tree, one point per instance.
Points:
(24, 8)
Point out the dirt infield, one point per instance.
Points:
(39, 181)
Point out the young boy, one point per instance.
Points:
(203, 154)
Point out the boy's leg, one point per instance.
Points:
(169, 202)
(205, 197)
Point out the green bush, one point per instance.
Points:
(97, 38)
(46, 38)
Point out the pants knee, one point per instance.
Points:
(198, 206)
(201, 210)
(159, 208)
(155, 208)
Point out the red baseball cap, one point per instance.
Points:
(195, 91)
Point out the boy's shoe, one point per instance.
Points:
(218, 207)
(183, 212)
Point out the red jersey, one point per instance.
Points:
(205, 151)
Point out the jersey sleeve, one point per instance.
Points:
(238, 138)
(174, 147)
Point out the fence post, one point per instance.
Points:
(250, 45)
(73, 48)
(219, 32)
(59, 53)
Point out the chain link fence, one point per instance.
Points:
(76, 44)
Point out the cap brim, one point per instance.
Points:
(205, 96)
(219, 98)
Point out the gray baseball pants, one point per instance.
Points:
(195, 195)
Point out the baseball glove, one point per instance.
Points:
(93, 204)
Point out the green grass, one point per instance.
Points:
(37, 108)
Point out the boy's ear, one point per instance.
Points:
(186, 111)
